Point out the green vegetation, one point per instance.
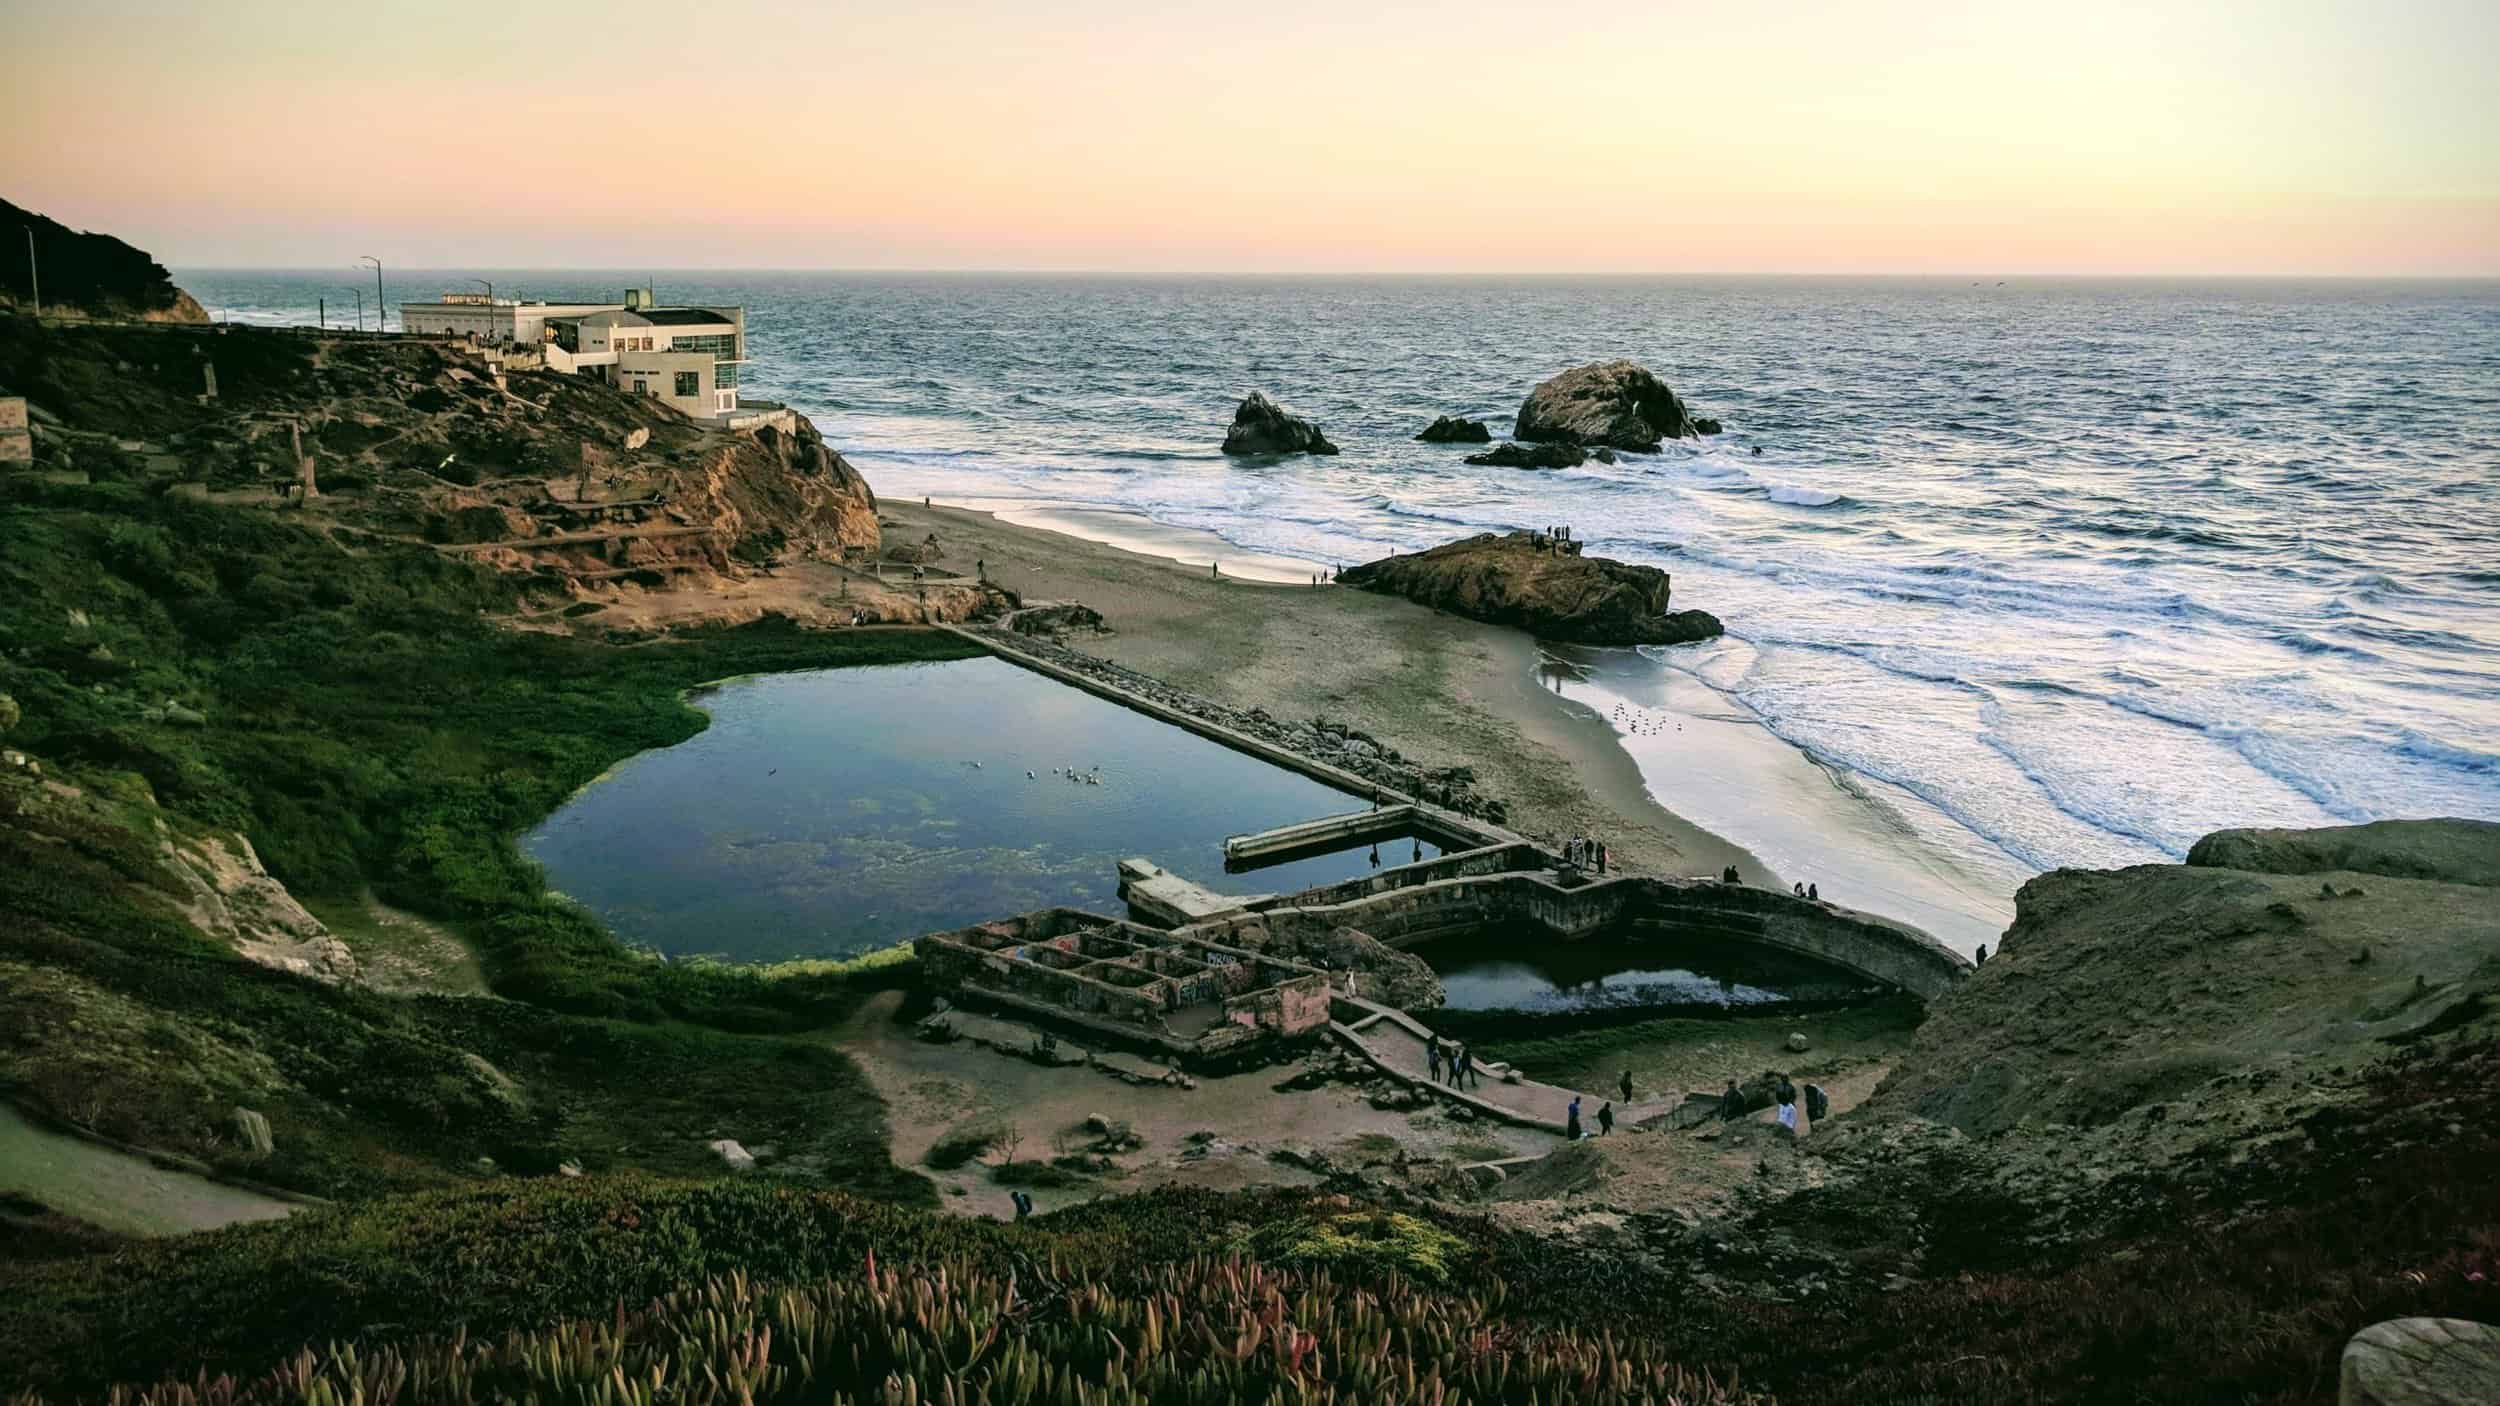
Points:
(1364, 1244)
(970, 1312)
(360, 716)
(962, 1145)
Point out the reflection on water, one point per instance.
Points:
(824, 813)
(1529, 972)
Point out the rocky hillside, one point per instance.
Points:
(553, 476)
(94, 275)
(1529, 580)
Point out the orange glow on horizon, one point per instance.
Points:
(2317, 136)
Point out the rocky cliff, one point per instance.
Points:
(91, 275)
(1528, 580)
(557, 477)
(2180, 1016)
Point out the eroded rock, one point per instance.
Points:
(1522, 579)
(1617, 403)
(1261, 426)
(1542, 456)
(1453, 429)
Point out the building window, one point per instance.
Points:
(689, 383)
(641, 386)
(725, 374)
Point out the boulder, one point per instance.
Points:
(2421, 1362)
(737, 1158)
(1520, 456)
(1452, 429)
(252, 1130)
(1518, 580)
(1617, 403)
(1797, 1042)
(2445, 851)
(1261, 426)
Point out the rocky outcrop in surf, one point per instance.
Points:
(1454, 429)
(1616, 403)
(1261, 426)
(2444, 851)
(1532, 581)
(1514, 455)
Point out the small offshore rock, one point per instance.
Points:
(1514, 455)
(1452, 429)
(1261, 426)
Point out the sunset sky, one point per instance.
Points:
(2253, 136)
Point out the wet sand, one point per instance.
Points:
(1442, 690)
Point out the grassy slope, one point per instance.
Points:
(367, 724)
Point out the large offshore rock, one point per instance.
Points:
(1518, 580)
(1617, 403)
(1261, 426)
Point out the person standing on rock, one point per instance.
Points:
(1982, 959)
(1571, 1120)
(1813, 894)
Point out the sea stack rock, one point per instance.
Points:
(1614, 403)
(1528, 580)
(1261, 426)
(1453, 429)
(1520, 456)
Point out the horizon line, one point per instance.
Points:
(2487, 277)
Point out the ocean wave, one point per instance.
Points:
(1803, 497)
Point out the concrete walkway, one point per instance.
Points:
(1394, 1043)
(116, 1190)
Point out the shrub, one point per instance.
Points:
(962, 1145)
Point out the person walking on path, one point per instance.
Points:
(1463, 1068)
(1571, 1120)
(1605, 1118)
(1432, 1056)
(1022, 1202)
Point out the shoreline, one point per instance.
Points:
(1444, 690)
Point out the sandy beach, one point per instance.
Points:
(1441, 689)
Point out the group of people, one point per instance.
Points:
(1458, 1060)
(1818, 1105)
(1809, 891)
(1557, 541)
(1584, 853)
(1605, 1115)
(1728, 875)
(1320, 578)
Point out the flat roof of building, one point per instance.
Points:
(679, 317)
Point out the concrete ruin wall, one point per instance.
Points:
(1123, 978)
(1514, 858)
(1894, 956)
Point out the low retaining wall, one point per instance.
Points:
(1894, 956)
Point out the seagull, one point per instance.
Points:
(1029, 776)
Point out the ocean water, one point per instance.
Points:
(2035, 572)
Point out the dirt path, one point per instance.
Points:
(931, 1089)
(116, 1190)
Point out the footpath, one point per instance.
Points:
(1394, 1042)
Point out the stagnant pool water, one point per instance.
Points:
(826, 813)
(1498, 972)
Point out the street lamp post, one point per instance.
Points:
(381, 317)
(34, 277)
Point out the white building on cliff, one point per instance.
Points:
(688, 357)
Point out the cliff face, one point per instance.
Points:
(1523, 579)
(552, 476)
(2149, 1013)
(93, 275)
